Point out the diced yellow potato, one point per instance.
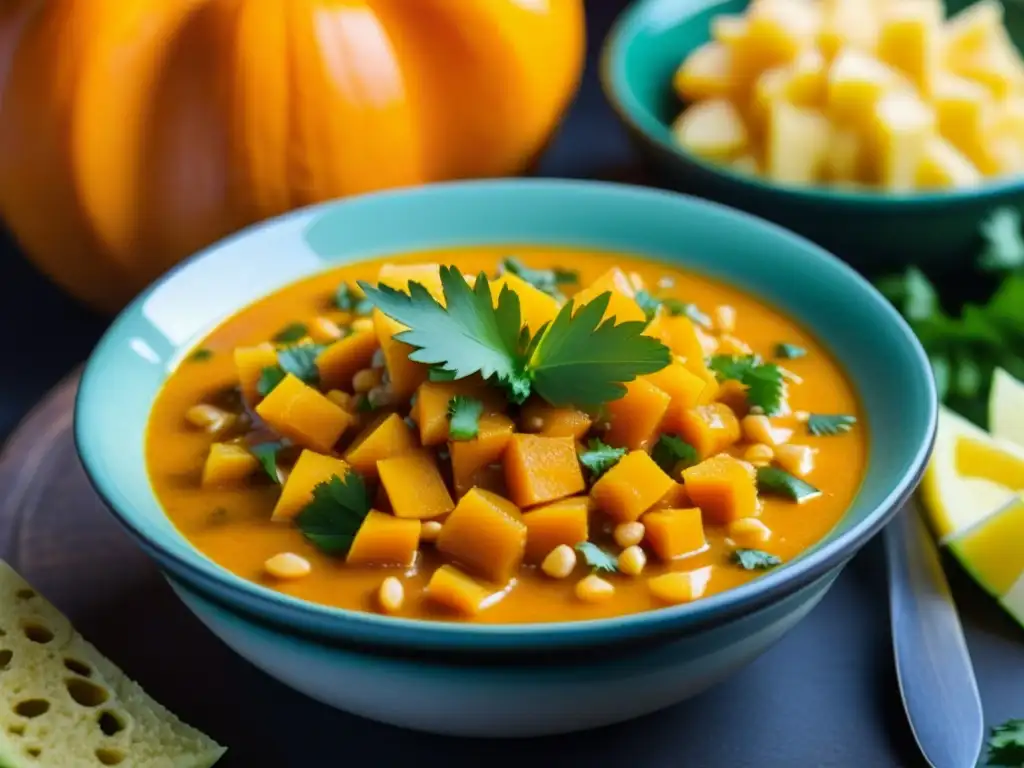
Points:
(1007, 117)
(944, 166)
(970, 30)
(962, 109)
(712, 129)
(796, 144)
(844, 161)
(996, 64)
(777, 31)
(1002, 156)
(909, 40)
(856, 82)
(903, 124)
(228, 464)
(801, 83)
(706, 74)
(847, 24)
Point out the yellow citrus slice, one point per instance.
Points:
(1006, 408)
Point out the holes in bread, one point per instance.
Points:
(37, 633)
(32, 708)
(5, 658)
(110, 722)
(86, 692)
(78, 667)
(25, 594)
(108, 756)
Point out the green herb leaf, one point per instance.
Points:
(300, 361)
(579, 362)
(269, 378)
(600, 457)
(789, 351)
(1004, 245)
(440, 373)
(332, 519)
(1006, 745)
(677, 307)
(764, 381)
(464, 417)
(546, 280)
(364, 404)
(597, 558)
(648, 303)
(778, 482)
(671, 451)
(199, 355)
(267, 454)
(754, 559)
(291, 333)
(347, 300)
(829, 424)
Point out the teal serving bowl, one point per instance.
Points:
(873, 231)
(510, 680)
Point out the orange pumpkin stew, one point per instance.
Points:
(469, 436)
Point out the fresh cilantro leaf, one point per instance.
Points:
(267, 454)
(597, 558)
(332, 519)
(468, 335)
(778, 482)
(269, 378)
(348, 300)
(599, 457)
(789, 351)
(440, 373)
(546, 280)
(754, 559)
(300, 361)
(291, 333)
(648, 303)
(764, 381)
(199, 355)
(912, 293)
(671, 451)
(828, 424)
(579, 362)
(677, 307)
(1004, 245)
(364, 404)
(1006, 745)
(464, 417)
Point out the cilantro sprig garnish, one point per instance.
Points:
(764, 381)
(298, 360)
(574, 360)
(755, 559)
(291, 333)
(672, 453)
(267, 454)
(778, 482)
(600, 457)
(829, 424)
(464, 417)
(200, 355)
(347, 300)
(676, 307)
(332, 519)
(785, 351)
(546, 280)
(1006, 745)
(648, 303)
(595, 557)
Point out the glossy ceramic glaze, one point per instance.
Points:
(873, 232)
(885, 363)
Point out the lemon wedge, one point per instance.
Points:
(1006, 408)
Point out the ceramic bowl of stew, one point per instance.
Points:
(702, 438)
(873, 230)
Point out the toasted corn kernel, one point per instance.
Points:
(632, 560)
(366, 379)
(594, 589)
(628, 534)
(559, 562)
(795, 459)
(323, 329)
(749, 532)
(391, 595)
(724, 318)
(429, 530)
(759, 454)
(287, 565)
(361, 324)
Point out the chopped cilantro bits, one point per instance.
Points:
(672, 453)
(755, 559)
(291, 333)
(789, 351)
(464, 417)
(596, 558)
(331, 520)
(779, 482)
(600, 457)
(828, 424)
(764, 381)
(199, 355)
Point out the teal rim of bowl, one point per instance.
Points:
(635, 114)
(339, 625)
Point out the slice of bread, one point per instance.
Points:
(63, 705)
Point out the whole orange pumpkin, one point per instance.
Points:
(133, 132)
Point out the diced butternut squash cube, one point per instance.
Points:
(630, 488)
(634, 417)
(712, 129)
(398, 276)
(228, 464)
(675, 533)
(472, 458)
(856, 83)
(706, 74)
(709, 428)
(561, 522)
(384, 539)
(538, 417)
(339, 362)
(621, 305)
(847, 24)
(910, 41)
(485, 533)
(433, 397)
(302, 414)
(943, 166)
(789, 127)
(452, 589)
(535, 307)
(405, 374)
(541, 469)
(675, 498)
(680, 586)
(386, 436)
(249, 363)
(903, 125)
(414, 485)
(679, 333)
(724, 488)
(684, 389)
(309, 471)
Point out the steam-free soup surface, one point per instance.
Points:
(739, 446)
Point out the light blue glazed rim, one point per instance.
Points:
(147, 340)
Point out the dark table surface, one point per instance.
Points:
(826, 695)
